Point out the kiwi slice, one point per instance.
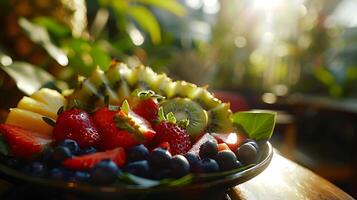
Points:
(184, 108)
(219, 119)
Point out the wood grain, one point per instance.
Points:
(284, 179)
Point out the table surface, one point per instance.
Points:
(284, 179)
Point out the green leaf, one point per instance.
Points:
(181, 181)
(147, 22)
(55, 28)
(169, 5)
(28, 78)
(39, 35)
(100, 57)
(4, 148)
(161, 114)
(257, 125)
(143, 182)
(171, 117)
(125, 106)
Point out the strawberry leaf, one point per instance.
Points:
(161, 114)
(125, 107)
(171, 117)
(257, 125)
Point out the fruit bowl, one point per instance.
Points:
(220, 183)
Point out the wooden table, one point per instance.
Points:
(283, 179)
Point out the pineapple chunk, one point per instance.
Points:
(29, 120)
(30, 104)
(50, 97)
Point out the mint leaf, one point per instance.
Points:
(4, 148)
(257, 124)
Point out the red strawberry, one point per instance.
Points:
(77, 125)
(233, 140)
(176, 136)
(88, 161)
(223, 146)
(165, 145)
(24, 143)
(147, 108)
(112, 136)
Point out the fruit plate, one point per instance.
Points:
(194, 189)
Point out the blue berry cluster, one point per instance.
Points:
(49, 165)
(157, 164)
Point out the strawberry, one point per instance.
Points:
(88, 161)
(165, 145)
(77, 125)
(177, 137)
(223, 146)
(147, 108)
(24, 143)
(233, 140)
(119, 129)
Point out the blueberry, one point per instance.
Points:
(247, 154)
(138, 168)
(192, 158)
(88, 150)
(180, 166)
(58, 173)
(37, 169)
(253, 142)
(139, 152)
(81, 176)
(208, 149)
(159, 158)
(227, 160)
(71, 145)
(105, 172)
(207, 165)
(61, 153)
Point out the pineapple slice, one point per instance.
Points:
(29, 120)
(30, 104)
(50, 97)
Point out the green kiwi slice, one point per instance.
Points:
(183, 109)
(219, 120)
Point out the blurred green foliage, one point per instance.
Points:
(238, 45)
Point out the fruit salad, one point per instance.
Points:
(130, 122)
